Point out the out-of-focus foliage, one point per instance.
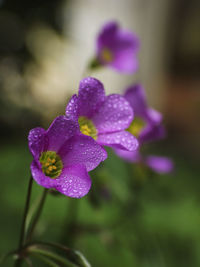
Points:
(125, 220)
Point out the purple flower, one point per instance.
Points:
(146, 126)
(104, 118)
(117, 48)
(158, 164)
(63, 157)
(147, 122)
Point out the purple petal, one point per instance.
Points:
(123, 46)
(115, 114)
(125, 62)
(60, 131)
(91, 96)
(127, 41)
(107, 35)
(160, 164)
(82, 149)
(40, 177)
(154, 116)
(133, 156)
(37, 141)
(152, 133)
(122, 140)
(74, 181)
(125, 52)
(135, 95)
(72, 108)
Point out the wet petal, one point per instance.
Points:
(82, 149)
(91, 96)
(115, 114)
(60, 131)
(74, 181)
(122, 140)
(37, 141)
(72, 108)
(40, 177)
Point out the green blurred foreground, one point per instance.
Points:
(124, 221)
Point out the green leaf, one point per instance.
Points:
(45, 259)
(73, 256)
(49, 255)
(81, 260)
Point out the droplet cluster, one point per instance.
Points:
(114, 115)
(91, 96)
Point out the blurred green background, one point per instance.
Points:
(131, 217)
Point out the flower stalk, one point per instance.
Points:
(27, 204)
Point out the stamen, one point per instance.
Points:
(51, 164)
(87, 127)
(136, 126)
(50, 168)
(107, 55)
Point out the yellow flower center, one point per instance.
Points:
(106, 55)
(136, 126)
(87, 127)
(51, 164)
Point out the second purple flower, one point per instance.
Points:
(102, 117)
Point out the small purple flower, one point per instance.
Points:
(118, 48)
(104, 118)
(147, 122)
(146, 126)
(63, 157)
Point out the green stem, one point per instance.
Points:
(22, 233)
(37, 216)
